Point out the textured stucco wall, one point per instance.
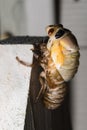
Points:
(14, 86)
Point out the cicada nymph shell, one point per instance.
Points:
(54, 86)
(59, 60)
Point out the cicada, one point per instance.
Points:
(59, 59)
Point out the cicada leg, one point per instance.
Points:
(23, 62)
(43, 85)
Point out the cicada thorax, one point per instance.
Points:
(53, 83)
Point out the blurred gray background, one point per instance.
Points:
(30, 17)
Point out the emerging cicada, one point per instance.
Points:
(59, 59)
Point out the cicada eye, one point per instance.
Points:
(59, 34)
(50, 31)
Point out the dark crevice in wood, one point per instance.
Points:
(42, 116)
(24, 40)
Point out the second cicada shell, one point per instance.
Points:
(59, 60)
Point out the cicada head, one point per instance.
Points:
(54, 32)
(53, 29)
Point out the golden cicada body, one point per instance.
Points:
(59, 60)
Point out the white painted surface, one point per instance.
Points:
(14, 85)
